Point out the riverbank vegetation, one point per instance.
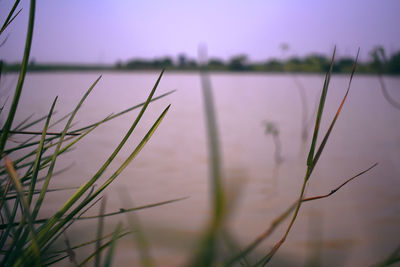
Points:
(313, 63)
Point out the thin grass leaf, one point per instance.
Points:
(13, 195)
(10, 17)
(83, 263)
(320, 110)
(126, 110)
(39, 154)
(120, 211)
(59, 233)
(138, 235)
(111, 248)
(16, 128)
(323, 143)
(10, 118)
(56, 153)
(340, 186)
(207, 249)
(10, 230)
(47, 160)
(5, 192)
(70, 252)
(40, 133)
(125, 232)
(100, 226)
(393, 258)
(214, 153)
(54, 174)
(54, 261)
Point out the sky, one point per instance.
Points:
(107, 31)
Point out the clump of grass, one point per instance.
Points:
(26, 239)
(208, 252)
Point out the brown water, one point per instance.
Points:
(357, 226)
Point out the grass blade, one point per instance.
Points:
(320, 110)
(10, 17)
(323, 143)
(100, 225)
(111, 248)
(55, 155)
(138, 234)
(102, 247)
(21, 78)
(39, 154)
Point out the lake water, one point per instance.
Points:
(357, 226)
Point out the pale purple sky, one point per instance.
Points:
(104, 31)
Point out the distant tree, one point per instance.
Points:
(344, 65)
(164, 62)
(316, 63)
(238, 63)
(293, 64)
(191, 63)
(216, 64)
(138, 64)
(274, 65)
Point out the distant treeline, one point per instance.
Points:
(377, 63)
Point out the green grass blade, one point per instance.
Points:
(21, 78)
(87, 243)
(16, 128)
(323, 143)
(214, 153)
(320, 110)
(39, 154)
(5, 192)
(111, 248)
(56, 153)
(10, 17)
(120, 211)
(64, 149)
(13, 195)
(70, 252)
(83, 263)
(207, 248)
(138, 235)
(62, 231)
(100, 226)
(126, 111)
(10, 229)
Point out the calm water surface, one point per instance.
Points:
(357, 226)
